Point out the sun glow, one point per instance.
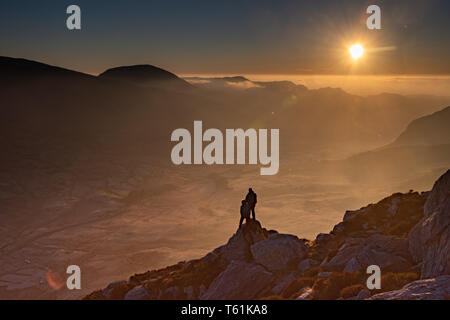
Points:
(356, 51)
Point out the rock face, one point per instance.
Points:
(390, 253)
(306, 264)
(429, 240)
(281, 285)
(277, 251)
(241, 280)
(305, 294)
(429, 289)
(363, 294)
(238, 246)
(115, 290)
(137, 293)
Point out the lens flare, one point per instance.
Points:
(54, 280)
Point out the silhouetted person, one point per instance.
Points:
(245, 212)
(251, 200)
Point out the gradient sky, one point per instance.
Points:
(242, 37)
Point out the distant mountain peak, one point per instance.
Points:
(433, 129)
(143, 74)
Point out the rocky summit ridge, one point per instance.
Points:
(406, 234)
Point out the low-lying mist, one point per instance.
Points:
(88, 180)
(358, 84)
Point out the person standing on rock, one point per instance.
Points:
(245, 212)
(251, 200)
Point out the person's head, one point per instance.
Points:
(250, 190)
(244, 202)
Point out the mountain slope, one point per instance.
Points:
(257, 263)
(433, 129)
(420, 151)
(39, 98)
(16, 68)
(55, 95)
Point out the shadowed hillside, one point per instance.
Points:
(433, 129)
(146, 75)
(422, 150)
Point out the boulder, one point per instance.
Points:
(305, 294)
(322, 237)
(429, 289)
(429, 240)
(238, 246)
(340, 227)
(115, 290)
(324, 274)
(388, 252)
(239, 281)
(202, 290)
(171, 293)
(352, 213)
(280, 286)
(189, 292)
(278, 250)
(137, 293)
(363, 294)
(307, 264)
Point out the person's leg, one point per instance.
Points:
(240, 221)
(253, 213)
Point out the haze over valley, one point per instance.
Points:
(87, 178)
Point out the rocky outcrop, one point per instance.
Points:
(307, 264)
(305, 294)
(241, 280)
(238, 246)
(137, 293)
(363, 294)
(278, 251)
(429, 240)
(240, 269)
(283, 283)
(388, 252)
(401, 234)
(429, 289)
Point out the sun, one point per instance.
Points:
(356, 51)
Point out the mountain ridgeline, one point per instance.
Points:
(429, 130)
(423, 148)
(146, 75)
(131, 98)
(87, 175)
